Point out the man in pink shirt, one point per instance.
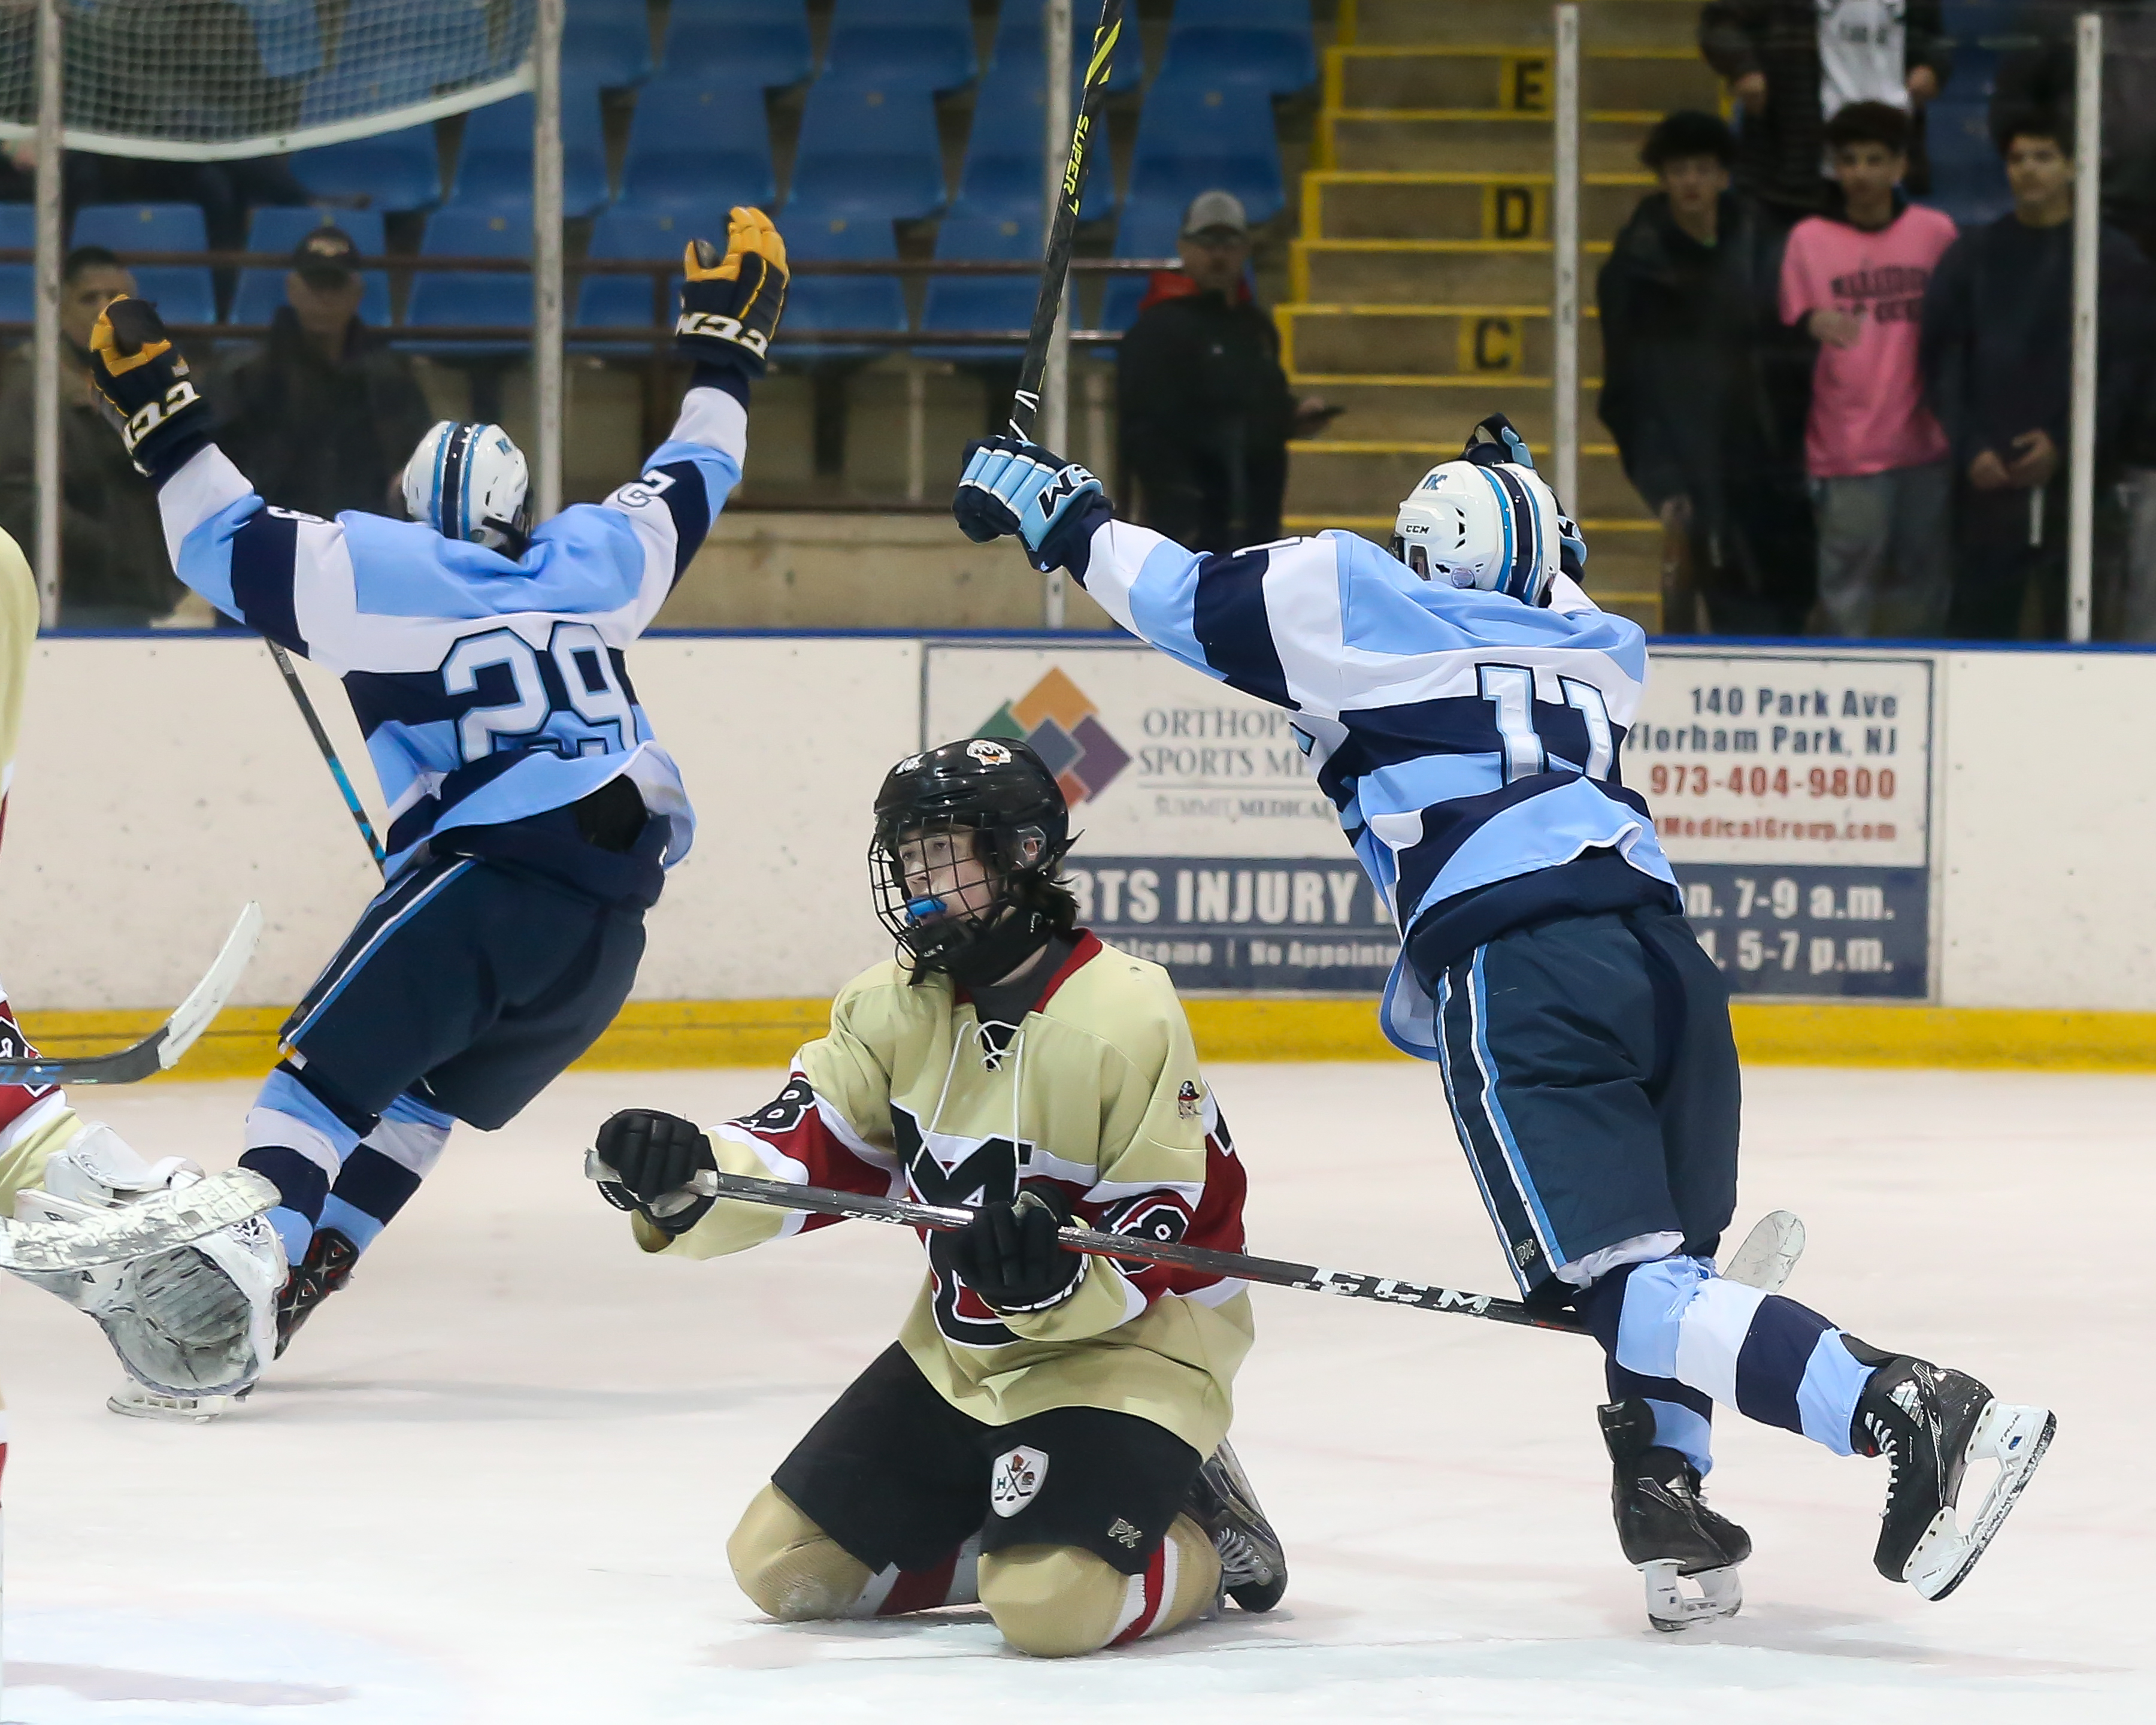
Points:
(1881, 483)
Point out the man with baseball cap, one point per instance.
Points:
(321, 415)
(1207, 413)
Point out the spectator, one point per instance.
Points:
(1704, 389)
(114, 570)
(1206, 410)
(324, 415)
(1794, 64)
(1881, 483)
(1997, 359)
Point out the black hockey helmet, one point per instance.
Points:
(998, 802)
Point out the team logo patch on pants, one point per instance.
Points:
(1016, 1480)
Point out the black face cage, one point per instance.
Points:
(1010, 853)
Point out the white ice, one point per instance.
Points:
(493, 1481)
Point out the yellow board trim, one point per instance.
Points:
(658, 1035)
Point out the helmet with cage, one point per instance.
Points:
(968, 839)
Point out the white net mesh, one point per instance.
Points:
(208, 79)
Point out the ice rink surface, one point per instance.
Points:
(493, 1481)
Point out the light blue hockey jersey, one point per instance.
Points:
(489, 689)
(1465, 737)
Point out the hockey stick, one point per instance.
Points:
(157, 1223)
(329, 752)
(161, 1049)
(1056, 264)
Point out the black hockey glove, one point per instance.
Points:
(1008, 1253)
(645, 1160)
(1051, 504)
(148, 393)
(729, 306)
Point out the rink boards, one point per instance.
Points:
(1897, 853)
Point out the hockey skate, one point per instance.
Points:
(1666, 1532)
(327, 1268)
(1930, 1423)
(1253, 1569)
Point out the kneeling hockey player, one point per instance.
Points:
(532, 814)
(1047, 1437)
(1465, 704)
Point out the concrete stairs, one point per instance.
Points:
(1418, 291)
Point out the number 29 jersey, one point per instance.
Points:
(1466, 739)
(489, 689)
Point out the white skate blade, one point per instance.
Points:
(1671, 1608)
(2014, 1437)
(137, 1401)
(1769, 1253)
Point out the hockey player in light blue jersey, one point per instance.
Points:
(532, 813)
(1465, 704)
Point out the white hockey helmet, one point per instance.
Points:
(469, 481)
(1495, 527)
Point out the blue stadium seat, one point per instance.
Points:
(924, 44)
(19, 282)
(624, 301)
(695, 143)
(1005, 164)
(606, 44)
(1969, 180)
(472, 296)
(183, 293)
(409, 48)
(983, 302)
(1019, 36)
(494, 169)
(869, 149)
(1267, 43)
(395, 170)
(1146, 230)
(764, 43)
(837, 302)
(1196, 134)
(262, 291)
(287, 34)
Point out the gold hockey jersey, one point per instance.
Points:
(1098, 1091)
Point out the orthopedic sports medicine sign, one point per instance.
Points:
(1793, 795)
(1203, 843)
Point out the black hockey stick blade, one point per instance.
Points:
(1352, 1285)
(1056, 264)
(161, 1049)
(322, 737)
(160, 1222)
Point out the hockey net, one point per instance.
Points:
(200, 80)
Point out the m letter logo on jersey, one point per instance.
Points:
(1016, 1479)
(1059, 722)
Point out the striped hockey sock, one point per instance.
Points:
(381, 1175)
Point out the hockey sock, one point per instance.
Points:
(1768, 1358)
(895, 1592)
(382, 1174)
(1683, 1417)
(299, 1142)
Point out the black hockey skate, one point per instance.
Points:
(326, 1269)
(1253, 1569)
(1664, 1530)
(1930, 1423)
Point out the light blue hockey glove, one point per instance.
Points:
(1012, 487)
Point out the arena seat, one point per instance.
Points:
(1146, 230)
(395, 170)
(761, 43)
(625, 231)
(288, 35)
(19, 282)
(412, 48)
(983, 302)
(923, 45)
(606, 44)
(183, 292)
(494, 169)
(814, 303)
(1018, 34)
(1267, 43)
(1196, 134)
(277, 229)
(1006, 164)
(1969, 180)
(868, 149)
(695, 142)
(472, 296)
